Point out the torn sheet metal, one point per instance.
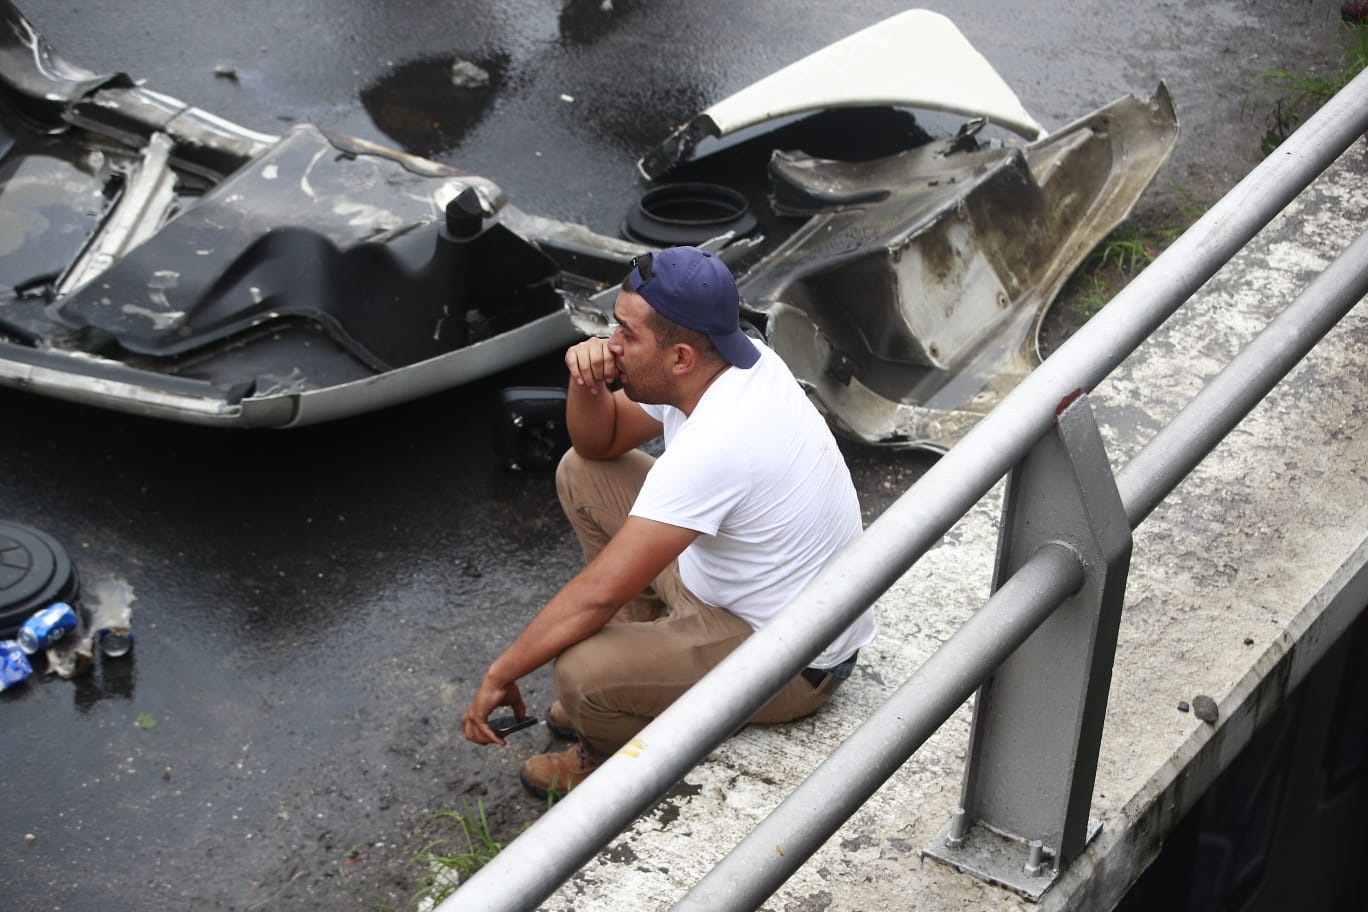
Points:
(906, 291)
(897, 221)
(911, 314)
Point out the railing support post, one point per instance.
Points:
(1038, 719)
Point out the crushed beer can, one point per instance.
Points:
(14, 664)
(47, 627)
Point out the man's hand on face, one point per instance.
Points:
(591, 363)
(490, 696)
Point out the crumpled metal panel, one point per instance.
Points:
(211, 274)
(910, 301)
(35, 73)
(183, 289)
(905, 291)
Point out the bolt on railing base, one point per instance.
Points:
(1022, 866)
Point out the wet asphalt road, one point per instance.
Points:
(314, 606)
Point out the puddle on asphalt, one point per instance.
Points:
(427, 106)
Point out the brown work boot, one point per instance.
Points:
(552, 775)
(559, 722)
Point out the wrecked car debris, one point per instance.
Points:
(530, 433)
(905, 285)
(897, 222)
(215, 275)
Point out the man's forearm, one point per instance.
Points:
(626, 566)
(634, 557)
(565, 620)
(590, 416)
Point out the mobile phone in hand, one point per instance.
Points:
(507, 725)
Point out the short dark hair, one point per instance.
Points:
(668, 332)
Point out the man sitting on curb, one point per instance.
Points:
(687, 554)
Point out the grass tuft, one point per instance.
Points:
(1117, 259)
(1126, 249)
(450, 860)
(1301, 92)
(1121, 255)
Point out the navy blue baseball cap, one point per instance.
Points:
(695, 289)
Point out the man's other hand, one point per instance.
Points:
(490, 696)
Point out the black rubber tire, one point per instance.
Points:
(35, 571)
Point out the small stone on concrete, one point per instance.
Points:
(1205, 708)
(468, 75)
(1183, 706)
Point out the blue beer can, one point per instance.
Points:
(47, 627)
(14, 664)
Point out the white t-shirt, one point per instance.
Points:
(756, 470)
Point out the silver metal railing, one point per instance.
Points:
(874, 751)
(1027, 420)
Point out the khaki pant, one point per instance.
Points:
(661, 642)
